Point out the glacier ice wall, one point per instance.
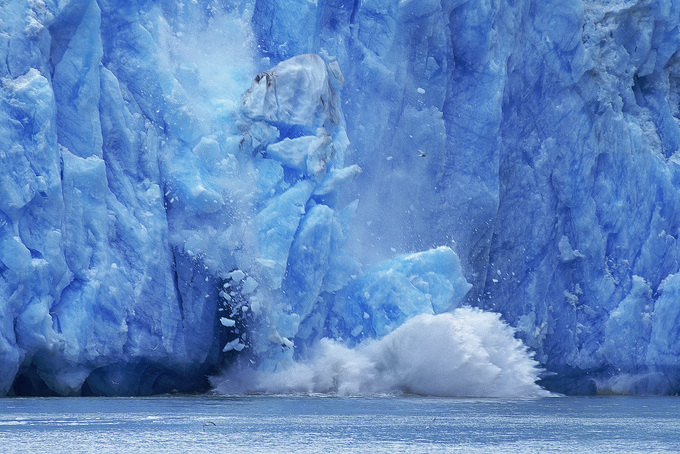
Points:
(107, 170)
(539, 140)
(526, 147)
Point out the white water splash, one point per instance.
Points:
(468, 352)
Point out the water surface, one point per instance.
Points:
(332, 424)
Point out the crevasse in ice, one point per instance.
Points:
(275, 183)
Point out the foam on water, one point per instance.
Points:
(468, 352)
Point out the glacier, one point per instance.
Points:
(267, 192)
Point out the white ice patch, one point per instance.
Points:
(227, 322)
(296, 91)
(465, 353)
(233, 345)
(237, 275)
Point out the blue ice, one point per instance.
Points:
(264, 187)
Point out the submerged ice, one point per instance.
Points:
(309, 196)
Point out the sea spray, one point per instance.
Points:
(468, 352)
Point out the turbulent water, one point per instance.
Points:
(333, 424)
(465, 353)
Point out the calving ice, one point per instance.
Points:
(466, 352)
(436, 197)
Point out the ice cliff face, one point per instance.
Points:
(186, 185)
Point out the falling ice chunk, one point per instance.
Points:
(296, 91)
(287, 342)
(227, 322)
(237, 275)
(421, 91)
(249, 286)
(234, 345)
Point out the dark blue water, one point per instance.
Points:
(329, 424)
